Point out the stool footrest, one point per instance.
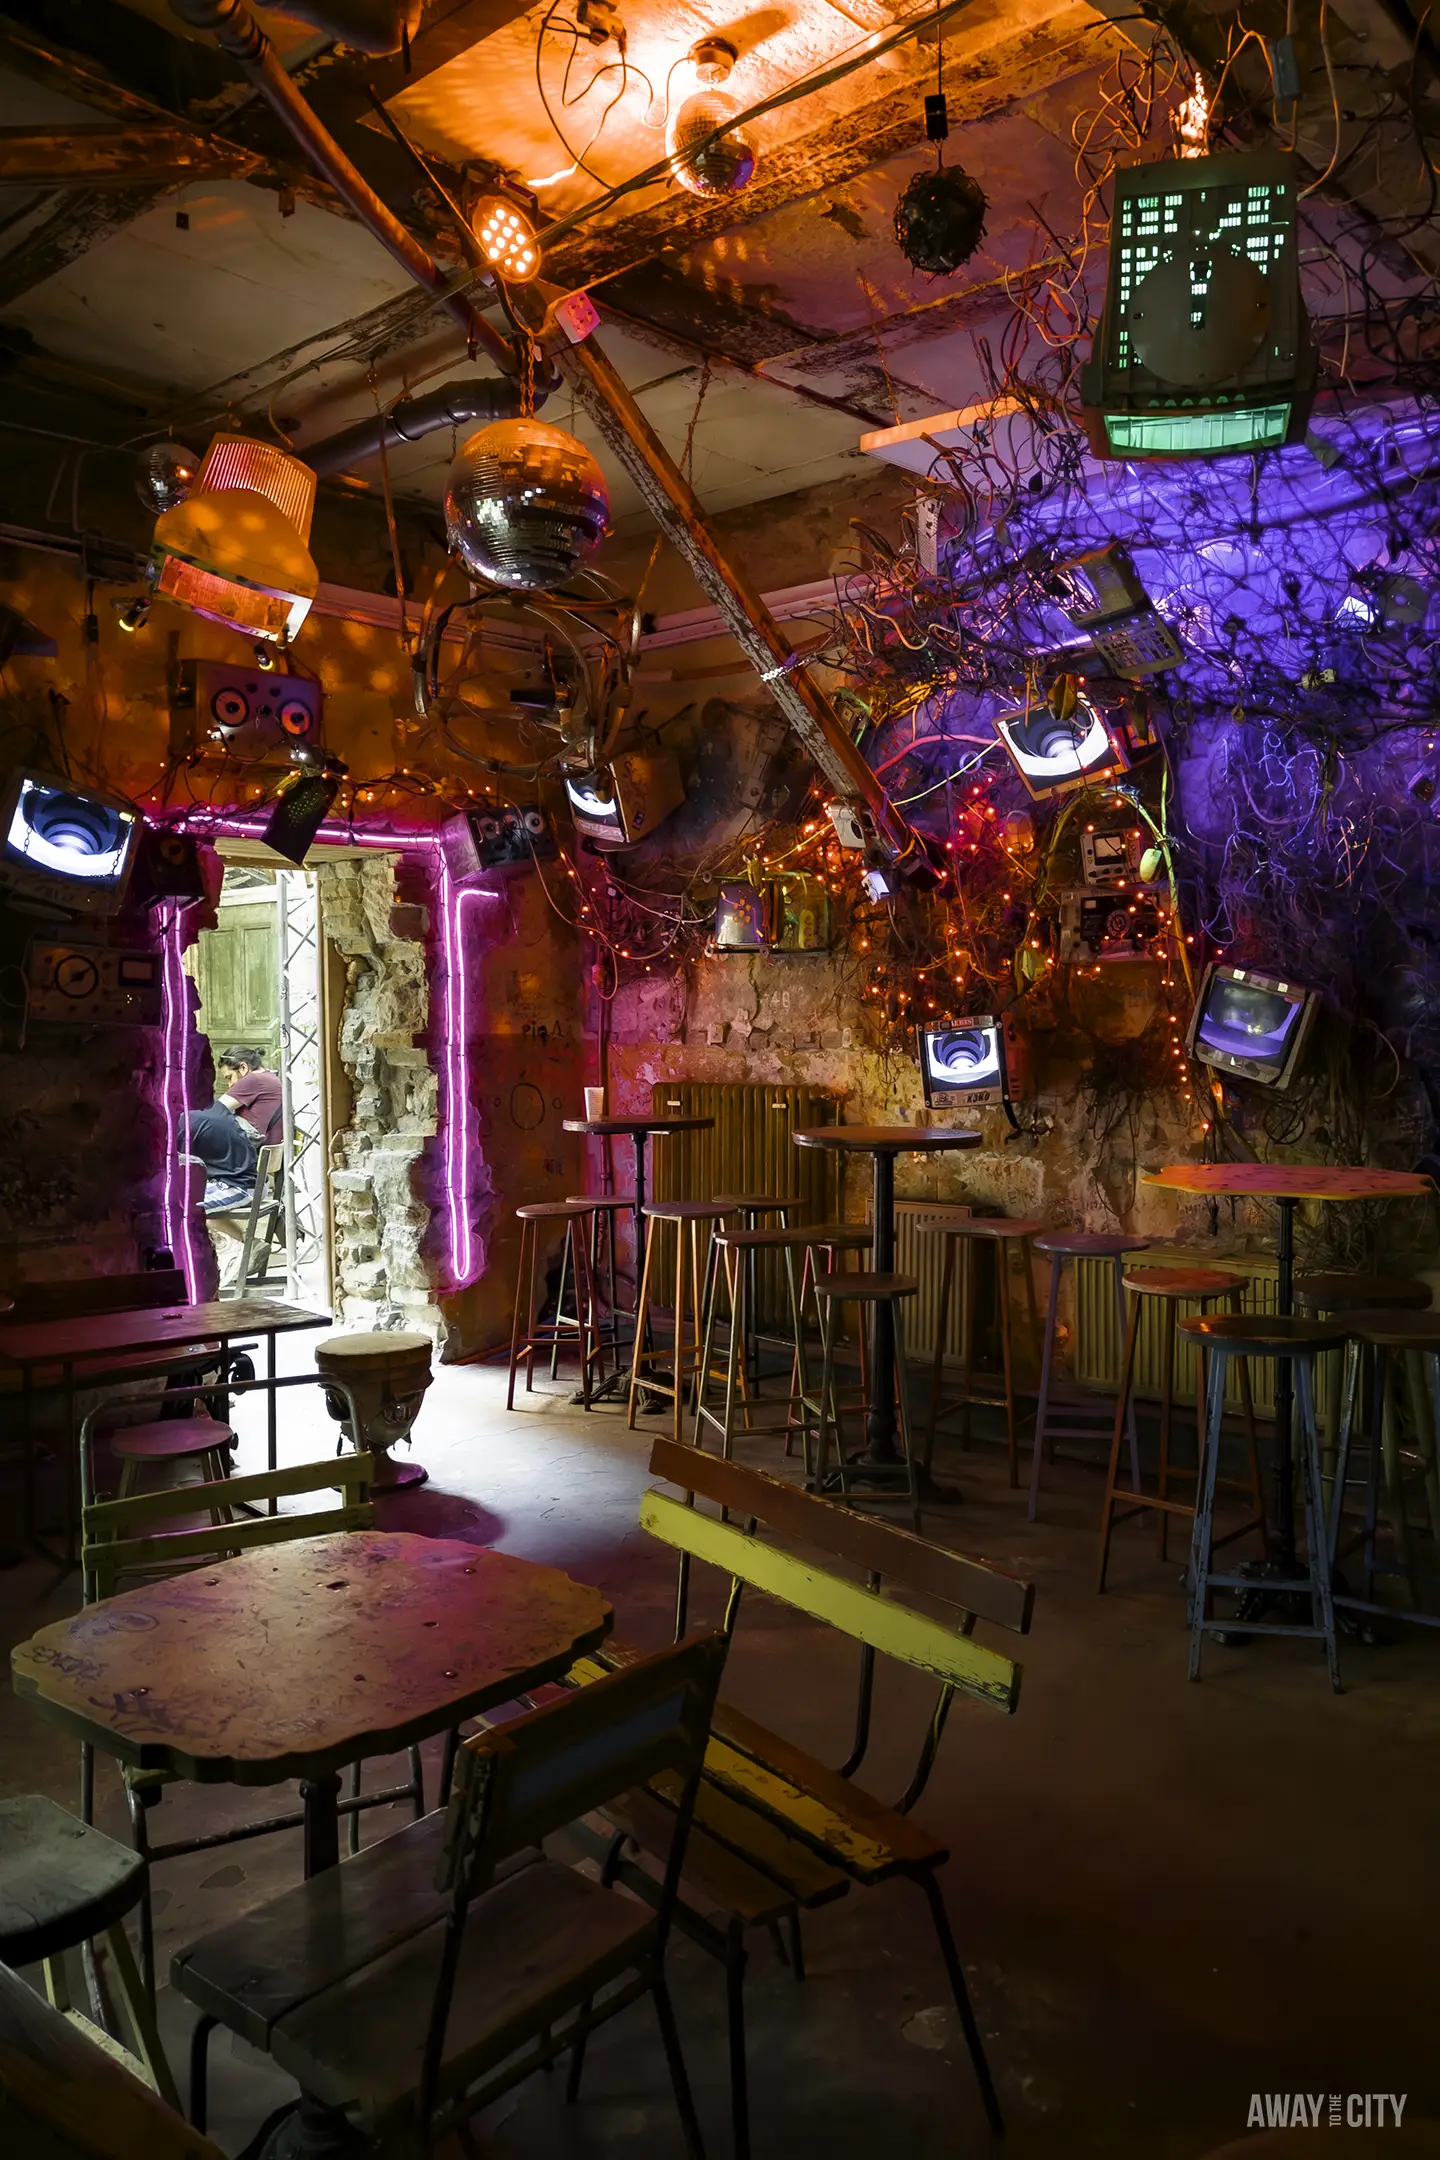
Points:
(1307, 1631)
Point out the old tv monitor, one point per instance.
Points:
(966, 1062)
(1250, 1024)
(1053, 755)
(742, 919)
(595, 807)
(65, 846)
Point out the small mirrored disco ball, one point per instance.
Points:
(726, 167)
(165, 472)
(525, 504)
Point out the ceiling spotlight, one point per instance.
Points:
(135, 613)
(302, 806)
(164, 475)
(506, 233)
(235, 550)
(724, 167)
(940, 220)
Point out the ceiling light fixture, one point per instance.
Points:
(940, 217)
(506, 234)
(724, 167)
(235, 550)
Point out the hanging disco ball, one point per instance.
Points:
(722, 168)
(525, 504)
(940, 220)
(164, 475)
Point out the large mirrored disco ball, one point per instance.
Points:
(525, 504)
(165, 472)
(724, 167)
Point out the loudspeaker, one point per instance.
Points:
(168, 869)
(503, 839)
(248, 713)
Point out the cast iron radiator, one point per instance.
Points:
(1097, 1346)
(749, 1150)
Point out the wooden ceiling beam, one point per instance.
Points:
(108, 156)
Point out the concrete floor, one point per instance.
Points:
(1168, 1897)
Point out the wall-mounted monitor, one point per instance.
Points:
(1054, 754)
(977, 1062)
(1252, 1025)
(742, 919)
(624, 801)
(65, 846)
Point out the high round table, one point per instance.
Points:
(1289, 1184)
(883, 1143)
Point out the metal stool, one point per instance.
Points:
(385, 1372)
(64, 1884)
(1415, 1336)
(1002, 1232)
(1337, 1292)
(750, 1207)
(606, 1207)
(823, 1242)
(685, 1217)
(1174, 1287)
(1060, 1246)
(564, 1328)
(862, 1288)
(1298, 1343)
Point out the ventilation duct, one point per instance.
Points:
(453, 405)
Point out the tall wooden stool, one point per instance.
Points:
(605, 1209)
(680, 1367)
(1004, 1234)
(748, 1209)
(863, 1288)
(1297, 1343)
(732, 1256)
(1171, 1288)
(63, 1884)
(1060, 1246)
(535, 1334)
(1414, 1338)
(171, 1440)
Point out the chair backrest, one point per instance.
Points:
(122, 1537)
(517, 1784)
(944, 1650)
(81, 1297)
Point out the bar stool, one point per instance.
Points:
(606, 1207)
(1060, 1246)
(1173, 1287)
(823, 1243)
(199, 1439)
(550, 1334)
(863, 1288)
(732, 1256)
(1415, 1336)
(1298, 1342)
(1003, 1233)
(685, 1217)
(1337, 1292)
(750, 1207)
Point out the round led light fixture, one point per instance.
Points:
(507, 239)
(525, 505)
(725, 167)
(940, 220)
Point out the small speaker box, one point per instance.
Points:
(246, 713)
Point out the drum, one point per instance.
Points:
(387, 1374)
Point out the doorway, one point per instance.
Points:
(257, 976)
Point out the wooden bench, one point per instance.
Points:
(777, 1832)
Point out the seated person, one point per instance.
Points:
(253, 1092)
(217, 1139)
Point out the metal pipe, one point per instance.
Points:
(454, 404)
(368, 26)
(673, 504)
(237, 33)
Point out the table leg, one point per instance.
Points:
(618, 1382)
(881, 1451)
(72, 1448)
(1284, 1532)
(322, 1823)
(271, 1407)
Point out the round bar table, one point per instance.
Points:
(1289, 1184)
(639, 1130)
(884, 1143)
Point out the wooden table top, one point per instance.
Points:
(636, 1125)
(91, 1335)
(1285, 1181)
(887, 1139)
(292, 1660)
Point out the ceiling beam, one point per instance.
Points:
(79, 220)
(106, 156)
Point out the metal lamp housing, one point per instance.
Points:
(525, 505)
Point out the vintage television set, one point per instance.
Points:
(979, 1062)
(622, 802)
(742, 918)
(1054, 753)
(65, 846)
(1252, 1025)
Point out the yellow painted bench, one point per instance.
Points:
(776, 1831)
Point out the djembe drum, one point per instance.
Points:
(386, 1375)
